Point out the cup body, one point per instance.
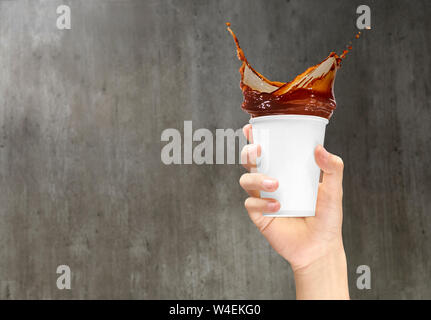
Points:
(287, 154)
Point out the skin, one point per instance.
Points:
(312, 245)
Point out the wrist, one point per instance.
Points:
(324, 278)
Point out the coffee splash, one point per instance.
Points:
(310, 93)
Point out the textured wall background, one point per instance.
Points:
(82, 111)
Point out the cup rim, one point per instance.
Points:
(288, 117)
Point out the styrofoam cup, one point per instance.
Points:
(287, 154)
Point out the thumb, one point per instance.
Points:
(332, 167)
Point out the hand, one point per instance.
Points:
(311, 244)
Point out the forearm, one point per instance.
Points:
(325, 278)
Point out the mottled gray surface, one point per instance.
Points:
(81, 116)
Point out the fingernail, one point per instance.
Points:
(272, 206)
(269, 184)
(253, 149)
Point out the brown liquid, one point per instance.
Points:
(310, 93)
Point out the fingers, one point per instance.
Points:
(248, 156)
(256, 206)
(248, 132)
(259, 205)
(250, 152)
(258, 181)
(332, 167)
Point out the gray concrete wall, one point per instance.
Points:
(82, 111)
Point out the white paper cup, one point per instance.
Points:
(287, 144)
